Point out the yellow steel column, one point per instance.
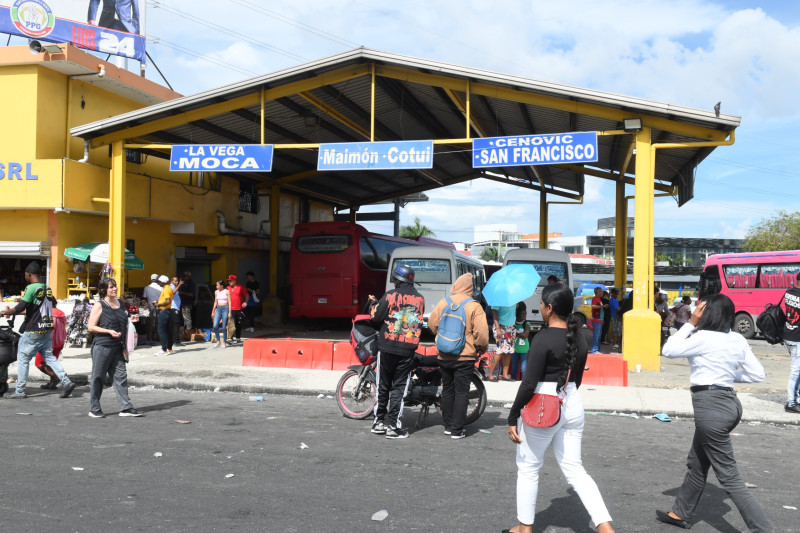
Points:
(641, 335)
(372, 106)
(543, 220)
(116, 212)
(621, 239)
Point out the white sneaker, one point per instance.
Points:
(161, 353)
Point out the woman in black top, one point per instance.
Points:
(108, 321)
(554, 351)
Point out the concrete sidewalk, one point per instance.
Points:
(197, 366)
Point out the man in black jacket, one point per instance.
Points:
(399, 315)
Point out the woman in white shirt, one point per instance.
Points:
(718, 358)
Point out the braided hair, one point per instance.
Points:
(560, 297)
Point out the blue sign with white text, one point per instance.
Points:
(375, 155)
(221, 158)
(525, 150)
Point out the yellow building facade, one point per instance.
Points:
(54, 194)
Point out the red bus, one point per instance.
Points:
(335, 266)
(751, 280)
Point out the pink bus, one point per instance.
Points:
(751, 280)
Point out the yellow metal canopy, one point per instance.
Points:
(365, 95)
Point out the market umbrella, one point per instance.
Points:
(97, 252)
(511, 284)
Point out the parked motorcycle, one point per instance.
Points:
(8, 351)
(356, 393)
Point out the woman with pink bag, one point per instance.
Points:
(556, 361)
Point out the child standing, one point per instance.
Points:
(519, 359)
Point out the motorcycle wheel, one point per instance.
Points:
(355, 404)
(476, 398)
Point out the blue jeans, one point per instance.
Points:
(221, 320)
(517, 360)
(596, 332)
(793, 388)
(29, 345)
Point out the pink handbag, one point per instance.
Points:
(544, 410)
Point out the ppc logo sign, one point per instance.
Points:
(33, 17)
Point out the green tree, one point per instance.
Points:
(489, 253)
(781, 232)
(416, 230)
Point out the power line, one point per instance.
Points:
(158, 40)
(301, 25)
(222, 29)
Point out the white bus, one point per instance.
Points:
(435, 271)
(547, 263)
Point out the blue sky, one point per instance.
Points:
(685, 52)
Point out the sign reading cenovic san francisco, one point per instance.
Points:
(523, 150)
(375, 155)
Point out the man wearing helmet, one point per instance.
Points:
(399, 315)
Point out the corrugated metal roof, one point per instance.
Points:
(407, 107)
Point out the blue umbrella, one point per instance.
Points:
(511, 284)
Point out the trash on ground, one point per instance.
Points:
(664, 417)
(329, 396)
(737, 434)
(25, 414)
(183, 422)
(751, 485)
(228, 475)
(271, 417)
(320, 396)
(216, 389)
(303, 445)
(790, 507)
(158, 454)
(380, 515)
(508, 405)
(755, 423)
(485, 431)
(256, 398)
(77, 468)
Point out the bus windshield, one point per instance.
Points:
(428, 270)
(545, 269)
(323, 244)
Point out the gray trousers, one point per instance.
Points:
(109, 360)
(716, 414)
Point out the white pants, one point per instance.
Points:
(566, 440)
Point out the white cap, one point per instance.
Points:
(163, 279)
(153, 277)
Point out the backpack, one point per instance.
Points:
(771, 323)
(451, 338)
(364, 338)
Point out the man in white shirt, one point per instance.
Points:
(151, 294)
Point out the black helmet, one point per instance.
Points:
(403, 273)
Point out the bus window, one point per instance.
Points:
(428, 270)
(546, 269)
(740, 276)
(369, 255)
(323, 244)
(779, 276)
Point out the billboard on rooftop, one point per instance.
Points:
(113, 27)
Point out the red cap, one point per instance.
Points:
(231, 277)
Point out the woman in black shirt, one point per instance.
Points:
(554, 350)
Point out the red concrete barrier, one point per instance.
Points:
(606, 369)
(343, 356)
(288, 353)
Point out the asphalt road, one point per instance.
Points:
(66, 472)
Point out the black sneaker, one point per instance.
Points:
(68, 389)
(96, 414)
(792, 409)
(396, 433)
(130, 412)
(448, 432)
(458, 435)
(378, 428)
